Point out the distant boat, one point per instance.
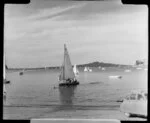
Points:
(5, 81)
(67, 76)
(145, 69)
(127, 70)
(75, 70)
(115, 77)
(138, 68)
(90, 70)
(103, 68)
(85, 69)
(22, 72)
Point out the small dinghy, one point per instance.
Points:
(138, 68)
(115, 77)
(89, 69)
(5, 81)
(127, 70)
(67, 76)
(21, 73)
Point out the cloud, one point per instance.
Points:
(19, 27)
(40, 36)
(51, 12)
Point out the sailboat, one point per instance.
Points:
(75, 70)
(67, 76)
(85, 69)
(89, 69)
(5, 81)
(22, 72)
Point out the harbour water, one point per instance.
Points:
(36, 94)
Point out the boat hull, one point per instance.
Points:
(6, 81)
(21, 73)
(75, 83)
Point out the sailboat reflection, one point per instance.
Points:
(66, 95)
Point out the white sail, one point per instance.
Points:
(85, 69)
(66, 69)
(75, 70)
(61, 76)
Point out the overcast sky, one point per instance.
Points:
(103, 31)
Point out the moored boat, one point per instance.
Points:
(127, 70)
(21, 73)
(5, 81)
(89, 69)
(135, 104)
(115, 77)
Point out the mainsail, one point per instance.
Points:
(66, 69)
(61, 76)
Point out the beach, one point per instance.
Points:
(66, 113)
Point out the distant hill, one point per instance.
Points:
(97, 64)
(93, 64)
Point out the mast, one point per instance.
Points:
(4, 69)
(64, 64)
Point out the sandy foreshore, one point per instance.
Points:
(57, 112)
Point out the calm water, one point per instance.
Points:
(36, 93)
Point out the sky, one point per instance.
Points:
(104, 31)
